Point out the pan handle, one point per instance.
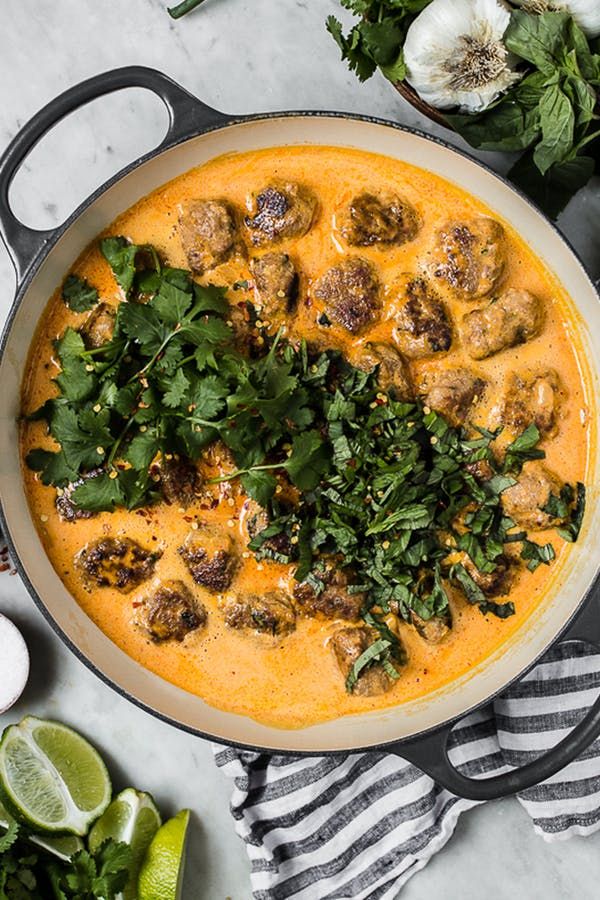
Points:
(187, 116)
(430, 752)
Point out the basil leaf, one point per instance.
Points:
(370, 655)
(557, 121)
(537, 38)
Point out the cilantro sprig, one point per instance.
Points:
(172, 379)
(36, 875)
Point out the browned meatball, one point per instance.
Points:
(514, 318)
(532, 400)
(525, 501)
(453, 393)
(350, 294)
(334, 600)
(180, 480)
(348, 644)
(432, 630)
(469, 257)
(208, 233)
(98, 327)
(393, 373)
(116, 562)
(422, 326)
(170, 612)
(282, 209)
(65, 506)
(209, 555)
(496, 583)
(269, 613)
(275, 283)
(378, 219)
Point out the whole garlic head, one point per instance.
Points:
(455, 55)
(585, 12)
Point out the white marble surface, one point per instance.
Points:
(240, 56)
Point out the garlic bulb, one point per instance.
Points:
(455, 56)
(585, 12)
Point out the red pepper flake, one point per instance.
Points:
(188, 518)
(136, 603)
(4, 567)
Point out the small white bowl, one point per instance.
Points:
(14, 663)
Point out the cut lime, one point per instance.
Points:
(63, 846)
(161, 876)
(51, 778)
(132, 818)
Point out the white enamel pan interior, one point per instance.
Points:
(148, 690)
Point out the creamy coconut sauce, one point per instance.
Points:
(295, 681)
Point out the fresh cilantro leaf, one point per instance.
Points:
(74, 381)
(53, 467)
(350, 45)
(120, 255)
(78, 294)
(308, 461)
(260, 486)
(178, 386)
(144, 325)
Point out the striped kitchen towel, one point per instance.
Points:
(359, 825)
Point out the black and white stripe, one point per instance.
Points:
(359, 825)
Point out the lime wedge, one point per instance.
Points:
(51, 778)
(133, 818)
(161, 875)
(62, 846)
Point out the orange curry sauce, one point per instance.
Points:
(295, 681)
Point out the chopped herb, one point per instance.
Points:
(536, 554)
(374, 491)
(570, 530)
(377, 652)
(523, 448)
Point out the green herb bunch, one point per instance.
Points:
(27, 874)
(385, 487)
(551, 116)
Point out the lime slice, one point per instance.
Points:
(62, 846)
(161, 875)
(51, 778)
(132, 818)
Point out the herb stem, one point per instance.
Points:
(588, 139)
(176, 12)
(239, 472)
(141, 372)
